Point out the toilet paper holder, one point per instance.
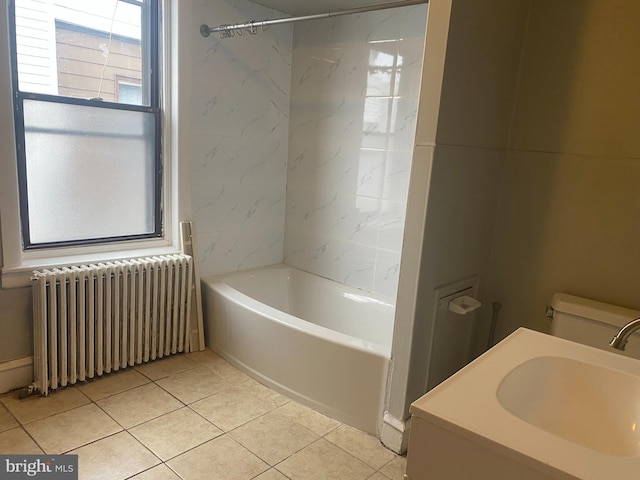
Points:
(464, 304)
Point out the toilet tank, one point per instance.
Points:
(592, 323)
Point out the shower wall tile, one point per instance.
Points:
(409, 79)
(231, 250)
(314, 141)
(354, 94)
(239, 123)
(396, 176)
(391, 231)
(322, 70)
(331, 257)
(238, 206)
(387, 271)
(406, 22)
(260, 159)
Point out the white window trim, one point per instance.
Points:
(17, 264)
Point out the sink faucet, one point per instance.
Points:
(619, 341)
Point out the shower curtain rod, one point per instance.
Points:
(252, 26)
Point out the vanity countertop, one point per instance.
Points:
(467, 404)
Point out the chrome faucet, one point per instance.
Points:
(619, 341)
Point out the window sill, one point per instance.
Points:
(20, 276)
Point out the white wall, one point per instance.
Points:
(239, 131)
(354, 96)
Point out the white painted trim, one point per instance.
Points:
(395, 433)
(17, 277)
(16, 373)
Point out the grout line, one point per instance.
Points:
(33, 439)
(18, 424)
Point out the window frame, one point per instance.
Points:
(151, 73)
(123, 80)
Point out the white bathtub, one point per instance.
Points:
(323, 343)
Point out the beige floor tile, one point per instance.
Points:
(102, 387)
(322, 460)
(113, 458)
(219, 365)
(138, 405)
(272, 474)
(230, 408)
(36, 407)
(71, 429)
(175, 433)
(395, 469)
(221, 458)
(167, 366)
(264, 393)
(365, 447)
(309, 418)
(273, 437)
(7, 422)
(161, 472)
(205, 357)
(193, 385)
(18, 441)
(230, 373)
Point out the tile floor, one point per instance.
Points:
(190, 417)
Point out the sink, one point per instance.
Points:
(593, 406)
(533, 407)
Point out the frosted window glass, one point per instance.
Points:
(90, 172)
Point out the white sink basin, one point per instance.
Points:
(593, 406)
(533, 407)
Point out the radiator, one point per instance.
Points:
(94, 319)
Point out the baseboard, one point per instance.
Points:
(395, 433)
(16, 373)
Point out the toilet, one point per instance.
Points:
(592, 323)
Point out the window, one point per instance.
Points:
(87, 117)
(128, 90)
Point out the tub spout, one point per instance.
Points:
(619, 341)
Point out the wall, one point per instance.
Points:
(240, 120)
(15, 304)
(569, 218)
(470, 77)
(354, 95)
(15, 324)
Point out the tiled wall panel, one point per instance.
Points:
(240, 124)
(354, 93)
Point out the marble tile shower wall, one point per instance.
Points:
(240, 121)
(354, 94)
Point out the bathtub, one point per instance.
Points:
(325, 344)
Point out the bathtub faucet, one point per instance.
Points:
(619, 341)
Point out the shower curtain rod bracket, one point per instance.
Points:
(205, 31)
